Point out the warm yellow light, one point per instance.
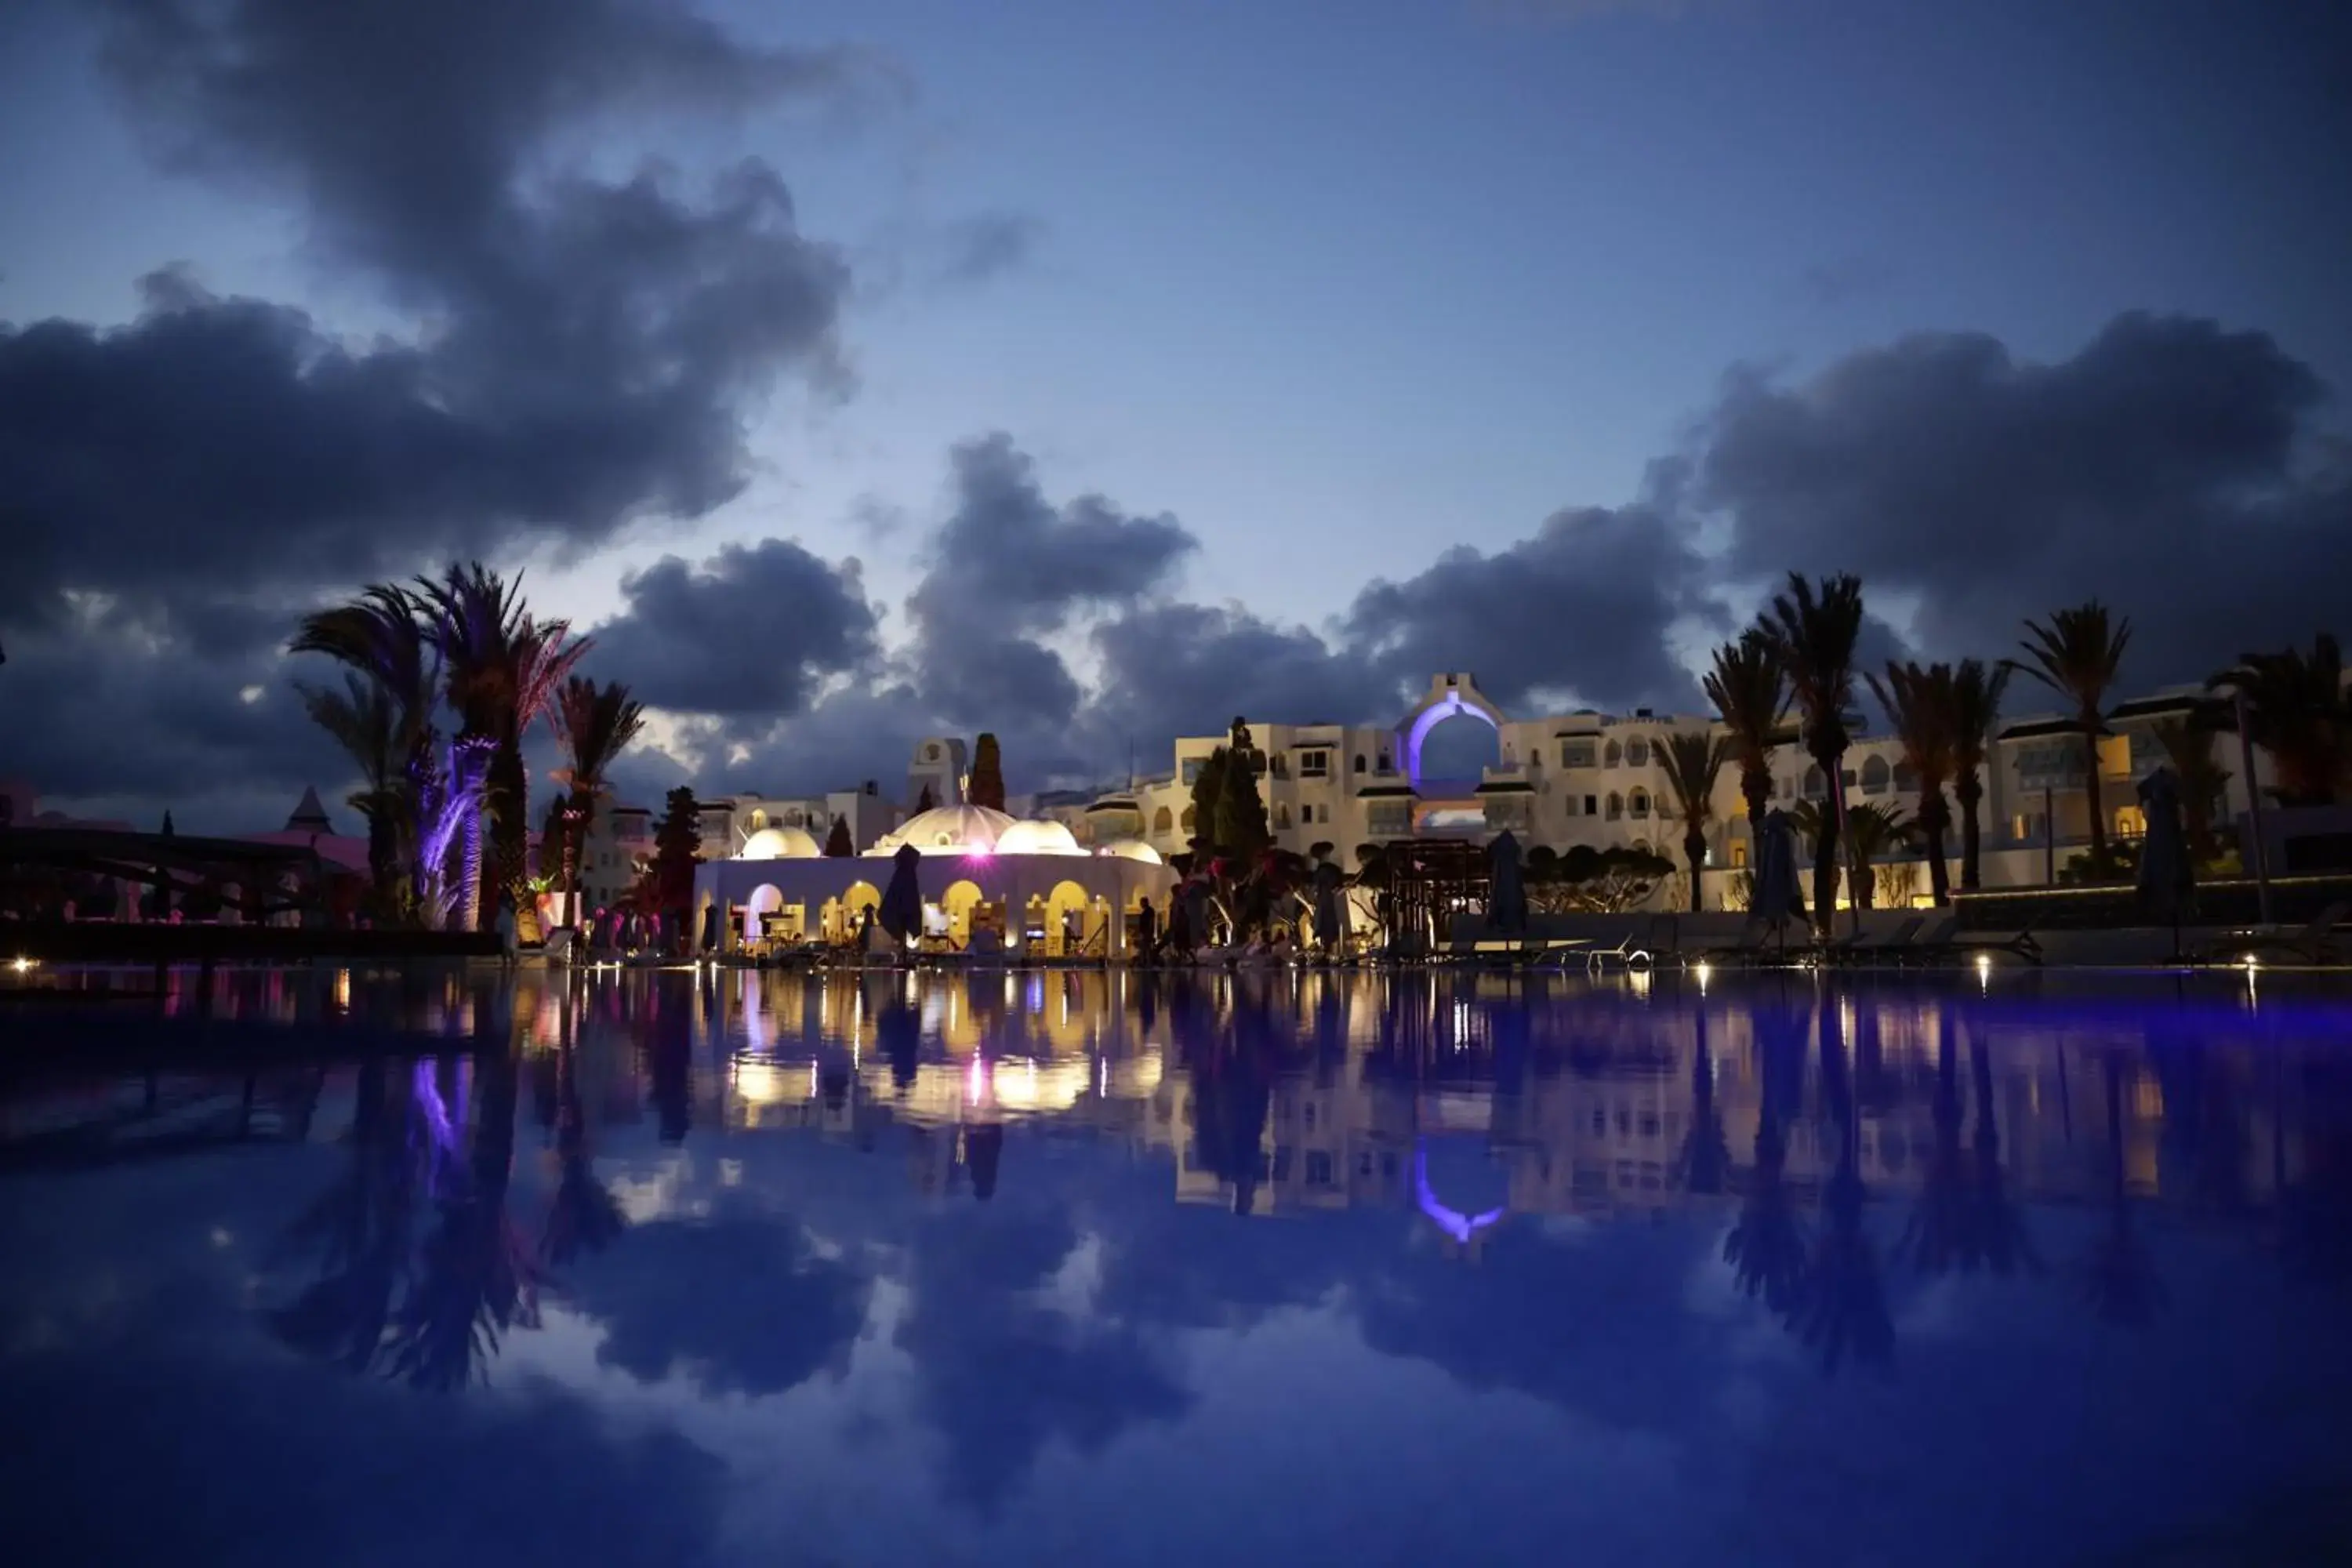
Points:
(24, 964)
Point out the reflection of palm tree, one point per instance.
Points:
(476, 1277)
(362, 1222)
(1705, 1152)
(1843, 1305)
(1942, 1235)
(1766, 1247)
(1999, 1225)
(582, 1216)
(2119, 1278)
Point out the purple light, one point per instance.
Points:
(1431, 718)
(1452, 1222)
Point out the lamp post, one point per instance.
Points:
(2255, 803)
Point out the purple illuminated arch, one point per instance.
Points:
(1449, 696)
(1452, 1222)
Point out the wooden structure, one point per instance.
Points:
(1431, 881)
(269, 879)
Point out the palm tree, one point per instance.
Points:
(1692, 759)
(379, 638)
(503, 671)
(1751, 697)
(2297, 711)
(1706, 1156)
(2076, 653)
(1813, 632)
(363, 719)
(1873, 832)
(1765, 1244)
(2188, 746)
(1975, 697)
(1918, 706)
(596, 724)
(1842, 1307)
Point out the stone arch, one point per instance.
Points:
(1190, 819)
(1449, 696)
(1065, 899)
(764, 900)
(958, 902)
(1163, 821)
(1876, 777)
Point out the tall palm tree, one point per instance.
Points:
(2297, 710)
(596, 725)
(1751, 697)
(503, 671)
(1842, 1307)
(364, 720)
(1873, 832)
(1813, 632)
(2076, 653)
(1765, 1244)
(380, 640)
(1975, 697)
(1918, 705)
(2188, 746)
(1692, 759)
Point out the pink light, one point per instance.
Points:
(978, 1085)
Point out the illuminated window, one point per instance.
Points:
(2130, 822)
(759, 820)
(1163, 821)
(2115, 757)
(1739, 853)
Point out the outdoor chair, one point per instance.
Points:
(2314, 944)
(1635, 949)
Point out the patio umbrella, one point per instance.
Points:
(1507, 894)
(1192, 898)
(1331, 907)
(1779, 896)
(901, 912)
(2167, 880)
(710, 928)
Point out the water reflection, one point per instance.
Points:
(1026, 1191)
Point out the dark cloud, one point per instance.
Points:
(1186, 669)
(1581, 609)
(755, 629)
(1009, 567)
(2167, 467)
(978, 249)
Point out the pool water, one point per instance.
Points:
(719, 1267)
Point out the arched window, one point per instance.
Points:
(1281, 813)
(1876, 777)
(1642, 845)
(1188, 819)
(1360, 762)
(1637, 753)
(1616, 805)
(1907, 778)
(759, 820)
(1612, 754)
(1817, 782)
(1163, 821)
(1638, 803)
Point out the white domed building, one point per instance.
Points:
(991, 883)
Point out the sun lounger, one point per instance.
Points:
(2314, 944)
(1638, 947)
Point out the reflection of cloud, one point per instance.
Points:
(738, 1301)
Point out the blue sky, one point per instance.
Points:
(1340, 287)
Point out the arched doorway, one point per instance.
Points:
(960, 903)
(1068, 910)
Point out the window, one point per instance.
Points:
(1314, 764)
(1280, 765)
(1638, 803)
(1576, 754)
(2130, 822)
(1163, 821)
(1281, 815)
(1906, 777)
(1876, 777)
(1616, 805)
(1637, 753)
(1319, 1168)
(1385, 766)
(1817, 784)
(1570, 804)
(1739, 853)
(1592, 805)
(759, 820)
(1188, 819)
(1360, 762)
(1612, 754)
(1191, 770)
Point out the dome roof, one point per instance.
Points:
(947, 830)
(1132, 849)
(1037, 838)
(779, 844)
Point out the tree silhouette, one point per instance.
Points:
(1765, 1246)
(986, 787)
(1706, 1153)
(1842, 1307)
(361, 1227)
